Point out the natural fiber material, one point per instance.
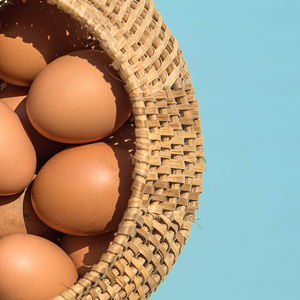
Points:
(168, 158)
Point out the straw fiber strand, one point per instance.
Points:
(168, 161)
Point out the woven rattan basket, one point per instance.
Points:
(169, 155)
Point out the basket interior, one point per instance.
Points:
(168, 160)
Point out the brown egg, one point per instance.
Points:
(32, 34)
(84, 102)
(15, 99)
(33, 268)
(18, 216)
(17, 154)
(83, 190)
(85, 251)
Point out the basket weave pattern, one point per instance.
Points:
(169, 148)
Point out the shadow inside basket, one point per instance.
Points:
(27, 207)
(159, 167)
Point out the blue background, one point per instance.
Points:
(244, 59)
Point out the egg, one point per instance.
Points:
(18, 216)
(15, 98)
(17, 154)
(32, 34)
(85, 251)
(33, 268)
(78, 98)
(83, 190)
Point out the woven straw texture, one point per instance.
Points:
(169, 148)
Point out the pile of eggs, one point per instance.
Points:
(66, 145)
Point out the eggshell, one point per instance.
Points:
(78, 98)
(17, 154)
(33, 268)
(32, 34)
(15, 99)
(85, 251)
(83, 190)
(18, 216)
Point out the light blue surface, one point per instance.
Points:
(244, 59)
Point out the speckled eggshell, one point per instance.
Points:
(15, 98)
(17, 154)
(32, 34)
(78, 98)
(84, 190)
(33, 268)
(85, 251)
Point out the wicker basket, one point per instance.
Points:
(169, 155)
